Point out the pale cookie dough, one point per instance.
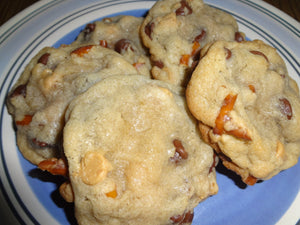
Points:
(175, 31)
(53, 77)
(120, 33)
(134, 154)
(248, 108)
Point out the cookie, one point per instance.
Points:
(120, 33)
(52, 78)
(175, 30)
(134, 154)
(248, 107)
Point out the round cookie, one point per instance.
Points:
(120, 33)
(175, 30)
(134, 154)
(248, 108)
(52, 78)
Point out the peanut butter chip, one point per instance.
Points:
(20, 90)
(66, 191)
(280, 150)
(166, 91)
(94, 168)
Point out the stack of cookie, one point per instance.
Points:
(137, 112)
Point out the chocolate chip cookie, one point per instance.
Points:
(134, 154)
(248, 108)
(175, 31)
(53, 77)
(119, 33)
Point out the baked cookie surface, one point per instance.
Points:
(248, 108)
(119, 33)
(52, 78)
(134, 154)
(175, 31)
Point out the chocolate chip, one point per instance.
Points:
(123, 45)
(239, 37)
(20, 90)
(149, 29)
(286, 108)
(201, 36)
(260, 53)
(214, 163)
(182, 219)
(103, 43)
(228, 53)
(40, 144)
(188, 217)
(107, 20)
(159, 64)
(89, 28)
(180, 152)
(44, 58)
(181, 11)
(177, 218)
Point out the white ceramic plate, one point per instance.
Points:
(26, 197)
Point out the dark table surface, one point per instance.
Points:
(9, 8)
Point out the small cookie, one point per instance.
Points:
(248, 108)
(120, 33)
(134, 154)
(53, 77)
(175, 31)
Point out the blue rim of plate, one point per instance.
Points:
(288, 57)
